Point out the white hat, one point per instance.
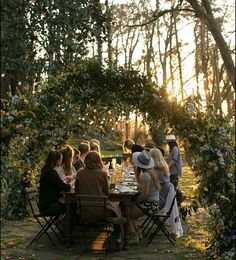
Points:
(143, 159)
(170, 138)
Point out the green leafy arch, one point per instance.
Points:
(90, 91)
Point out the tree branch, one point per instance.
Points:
(207, 7)
(160, 14)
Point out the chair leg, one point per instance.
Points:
(108, 237)
(163, 228)
(168, 235)
(144, 222)
(160, 226)
(56, 221)
(153, 234)
(146, 226)
(44, 229)
(152, 219)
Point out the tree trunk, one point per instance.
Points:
(197, 69)
(99, 46)
(179, 57)
(204, 59)
(217, 81)
(127, 128)
(109, 34)
(170, 59)
(205, 14)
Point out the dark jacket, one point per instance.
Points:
(137, 148)
(79, 164)
(50, 188)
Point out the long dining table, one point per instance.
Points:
(70, 199)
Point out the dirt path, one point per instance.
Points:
(15, 236)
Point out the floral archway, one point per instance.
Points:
(88, 90)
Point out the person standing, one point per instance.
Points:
(131, 146)
(174, 160)
(175, 166)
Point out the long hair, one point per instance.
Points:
(172, 145)
(159, 161)
(93, 160)
(154, 177)
(53, 157)
(67, 161)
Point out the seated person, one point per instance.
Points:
(76, 158)
(51, 186)
(83, 149)
(95, 147)
(67, 171)
(148, 200)
(130, 145)
(93, 180)
(67, 161)
(95, 141)
(162, 170)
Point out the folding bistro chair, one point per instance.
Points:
(45, 222)
(158, 220)
(97, 203)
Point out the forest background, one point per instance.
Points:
(184, 52)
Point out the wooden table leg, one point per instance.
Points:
(68, 225)
(127, 214)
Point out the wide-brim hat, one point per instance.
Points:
(143, 159)
(170, 138)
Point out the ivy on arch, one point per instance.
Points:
(82, 94)
(90, 91)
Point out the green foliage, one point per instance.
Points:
(158, 131)
(45, 36)
(209, 145)
(87, 98)
(83, 99)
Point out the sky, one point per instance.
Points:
(185, 31)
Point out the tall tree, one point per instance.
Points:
(41, 37)
(204, 12)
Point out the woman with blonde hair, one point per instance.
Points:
(162, 170)
(148, 200)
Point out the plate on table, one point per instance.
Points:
(124, 189)
(129, 183)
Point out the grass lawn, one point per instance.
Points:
(111, 152)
